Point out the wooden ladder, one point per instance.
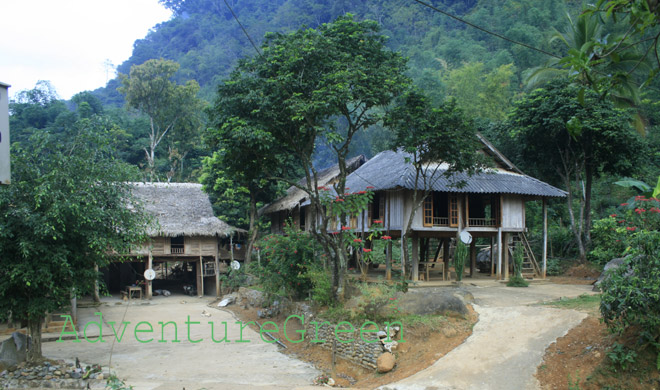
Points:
(530, 267)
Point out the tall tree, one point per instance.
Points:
(149, 89)
(564, 141)
(324, 84)
(432, 135)
(66, 207)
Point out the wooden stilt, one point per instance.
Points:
(200, 278)
(473, 256)
(545, 238)
(505, 247)
(445, 255)
(499, 254)
(150, 265)
(415, 257)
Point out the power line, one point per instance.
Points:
(486, 31)
(243, 28)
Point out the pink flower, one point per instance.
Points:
(624, 204)
(339, 200)
(370, 187)
(613, 215)
(386, 238)
(378, 221)
(631, 228)
(345, 228)
(357, 240)
(366, 250)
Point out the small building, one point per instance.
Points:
(187, 242)
(292, 206)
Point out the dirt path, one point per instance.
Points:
(508, 341)
(175, 365)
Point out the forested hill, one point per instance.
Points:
(205, 39)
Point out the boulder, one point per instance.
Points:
(609, 267)
(14, 349)
(441, 301)
(227, 300)
(253, 297)
(391, 346)
(385, 362)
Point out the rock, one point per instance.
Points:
(609, 267)
(449, 331)
(205, 313)
(76, 375)
(57, 373)
(261, 313)
(381, 334)
(391, 346)
(227, 300)
(253, 297)
(99, 377)
(385, 362)
(391, 331)
(438, 302)
(14, 349)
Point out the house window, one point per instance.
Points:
(453, 211)
(176, 245)
(353, 221)
(484, 210)
(436, 211)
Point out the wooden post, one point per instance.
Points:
(200, 278)
(545, 237)
(415, 258)
(505, 247)
(445, 255)
(492, 256)
(231, 246)
(473, 256)
(499, 253)
(150, 264)
(388, 255)
(217, 270)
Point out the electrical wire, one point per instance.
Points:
(484, 30)
(243, 28)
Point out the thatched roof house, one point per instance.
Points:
(185, 230)
(180, 209)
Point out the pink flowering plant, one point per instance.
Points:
(612, 235)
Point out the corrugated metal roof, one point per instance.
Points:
(392, 170)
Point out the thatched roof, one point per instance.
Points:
(180, 209)
(391, 170)
(295, 196)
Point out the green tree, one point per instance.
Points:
(431, 135)
(149, 89)
(66, 207)
(482, 94)
(566, 142)
(325, 84)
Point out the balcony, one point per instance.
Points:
(482, 222)
(176, 250)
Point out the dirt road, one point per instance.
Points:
(508, 341)
(196, 361)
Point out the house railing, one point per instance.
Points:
(440, 221)
(489, 222)
(176, 250)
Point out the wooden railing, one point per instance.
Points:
(176, 250)
(489, 222)
(440, 221)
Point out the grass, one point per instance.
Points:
(585, 302)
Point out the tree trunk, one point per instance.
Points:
(34, 346)
(253, 229)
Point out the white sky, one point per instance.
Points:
(68, 41)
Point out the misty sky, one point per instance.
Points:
(69, 42)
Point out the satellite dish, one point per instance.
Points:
(150, 274)
(466, 237)
(235, 265)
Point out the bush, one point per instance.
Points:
(606, 235)
(517, 279)
(286, 260)
(321, 285)
(631, 293)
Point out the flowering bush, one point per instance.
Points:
(286, 260)
(612, 235)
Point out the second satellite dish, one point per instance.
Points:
(235, 265)
(466, 237)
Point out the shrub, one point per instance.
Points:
(460, 257)
(517, 279)
(321, 285)
(631, 293)
(286, 260)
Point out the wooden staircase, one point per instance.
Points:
(530, 267)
